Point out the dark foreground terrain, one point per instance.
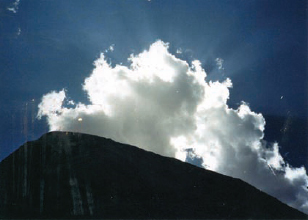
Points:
(68, 175)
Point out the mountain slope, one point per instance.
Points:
(67, 175)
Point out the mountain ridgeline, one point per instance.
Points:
(73, 175)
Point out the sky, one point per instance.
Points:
(221, 84)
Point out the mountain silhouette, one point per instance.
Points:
(73, 175)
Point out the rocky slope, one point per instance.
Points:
(67, 175)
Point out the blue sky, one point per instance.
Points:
(51, 45)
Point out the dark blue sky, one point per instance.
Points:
(50, 45)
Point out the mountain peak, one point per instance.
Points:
(68, 175)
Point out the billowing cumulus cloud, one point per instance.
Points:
(165, 105)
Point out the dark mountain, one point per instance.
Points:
(68, 175)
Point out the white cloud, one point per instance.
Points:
(165, 105)
(51, 104)
(70, 102)
(219, 63)
(110, 48)
(18, 32)
(14, 7)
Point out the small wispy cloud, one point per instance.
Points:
(14, 7)
(110, 48)
(18, 31)
(219, 63)
(179, 51)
